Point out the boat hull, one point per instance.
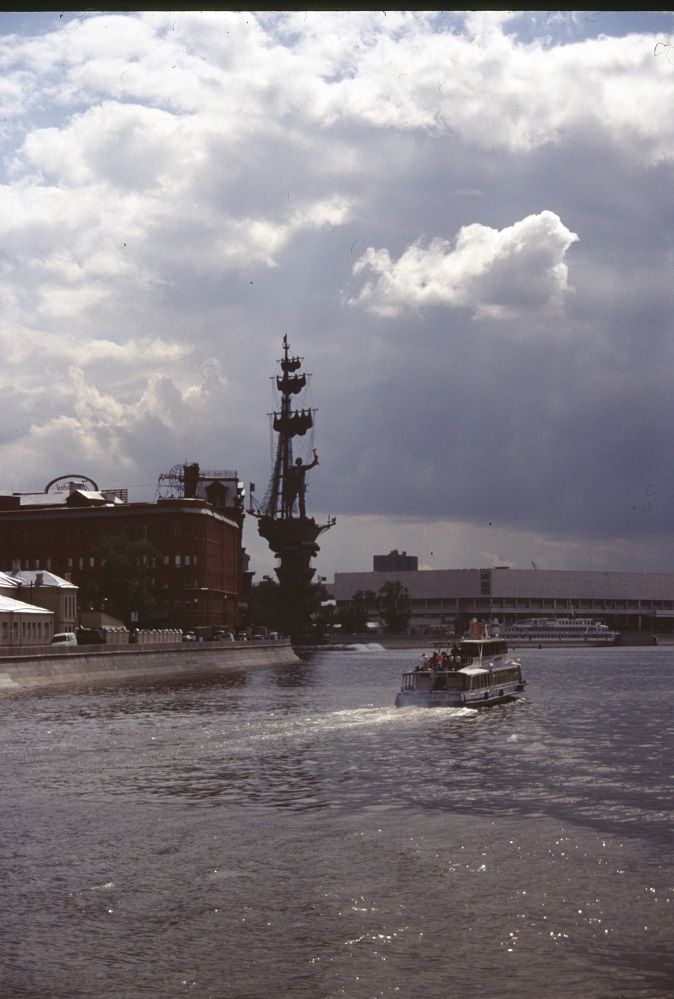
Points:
(559, 631)
(517, 641)
(454, 699)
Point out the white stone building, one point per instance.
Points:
(44, 589)
(446, 599)
(23, 624)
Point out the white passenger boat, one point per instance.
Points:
(558, 631)
(475, 673)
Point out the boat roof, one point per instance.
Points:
(472, 670)
(482, 641)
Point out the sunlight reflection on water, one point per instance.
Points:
(298, 832)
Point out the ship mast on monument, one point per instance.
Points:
(282, 516)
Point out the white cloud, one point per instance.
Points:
(499, 274)
(181, 188)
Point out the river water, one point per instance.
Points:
(289, 832)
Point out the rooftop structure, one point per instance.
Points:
(395, 561)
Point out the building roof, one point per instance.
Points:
(24, 577)
(8, 605)
(76, 497)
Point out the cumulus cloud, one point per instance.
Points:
(179, 189)
(499, 274)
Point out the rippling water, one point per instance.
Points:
(287, 831)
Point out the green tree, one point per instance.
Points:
(354, 618)
(266, 605)
(269, 606)
(126, 571)
(395, 606)
(325, 618)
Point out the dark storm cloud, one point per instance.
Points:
(468, 238)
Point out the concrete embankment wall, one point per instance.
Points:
(86, 666)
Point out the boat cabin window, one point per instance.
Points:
(490, 647)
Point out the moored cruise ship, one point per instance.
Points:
(558, 631)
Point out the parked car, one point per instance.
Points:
(64, 638)
(189, 636)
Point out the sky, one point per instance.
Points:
(463, 222)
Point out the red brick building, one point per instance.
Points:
(197, 572)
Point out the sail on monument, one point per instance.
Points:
(282, 517)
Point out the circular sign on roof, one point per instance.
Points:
(66, 483)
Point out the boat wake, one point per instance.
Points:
(351, 647)
(301, 727)
(440, 711)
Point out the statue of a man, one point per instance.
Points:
(294, 486)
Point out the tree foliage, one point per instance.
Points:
(127, 568)
(269, 605)
(266, 606)
(354, 618)
(395, 606)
